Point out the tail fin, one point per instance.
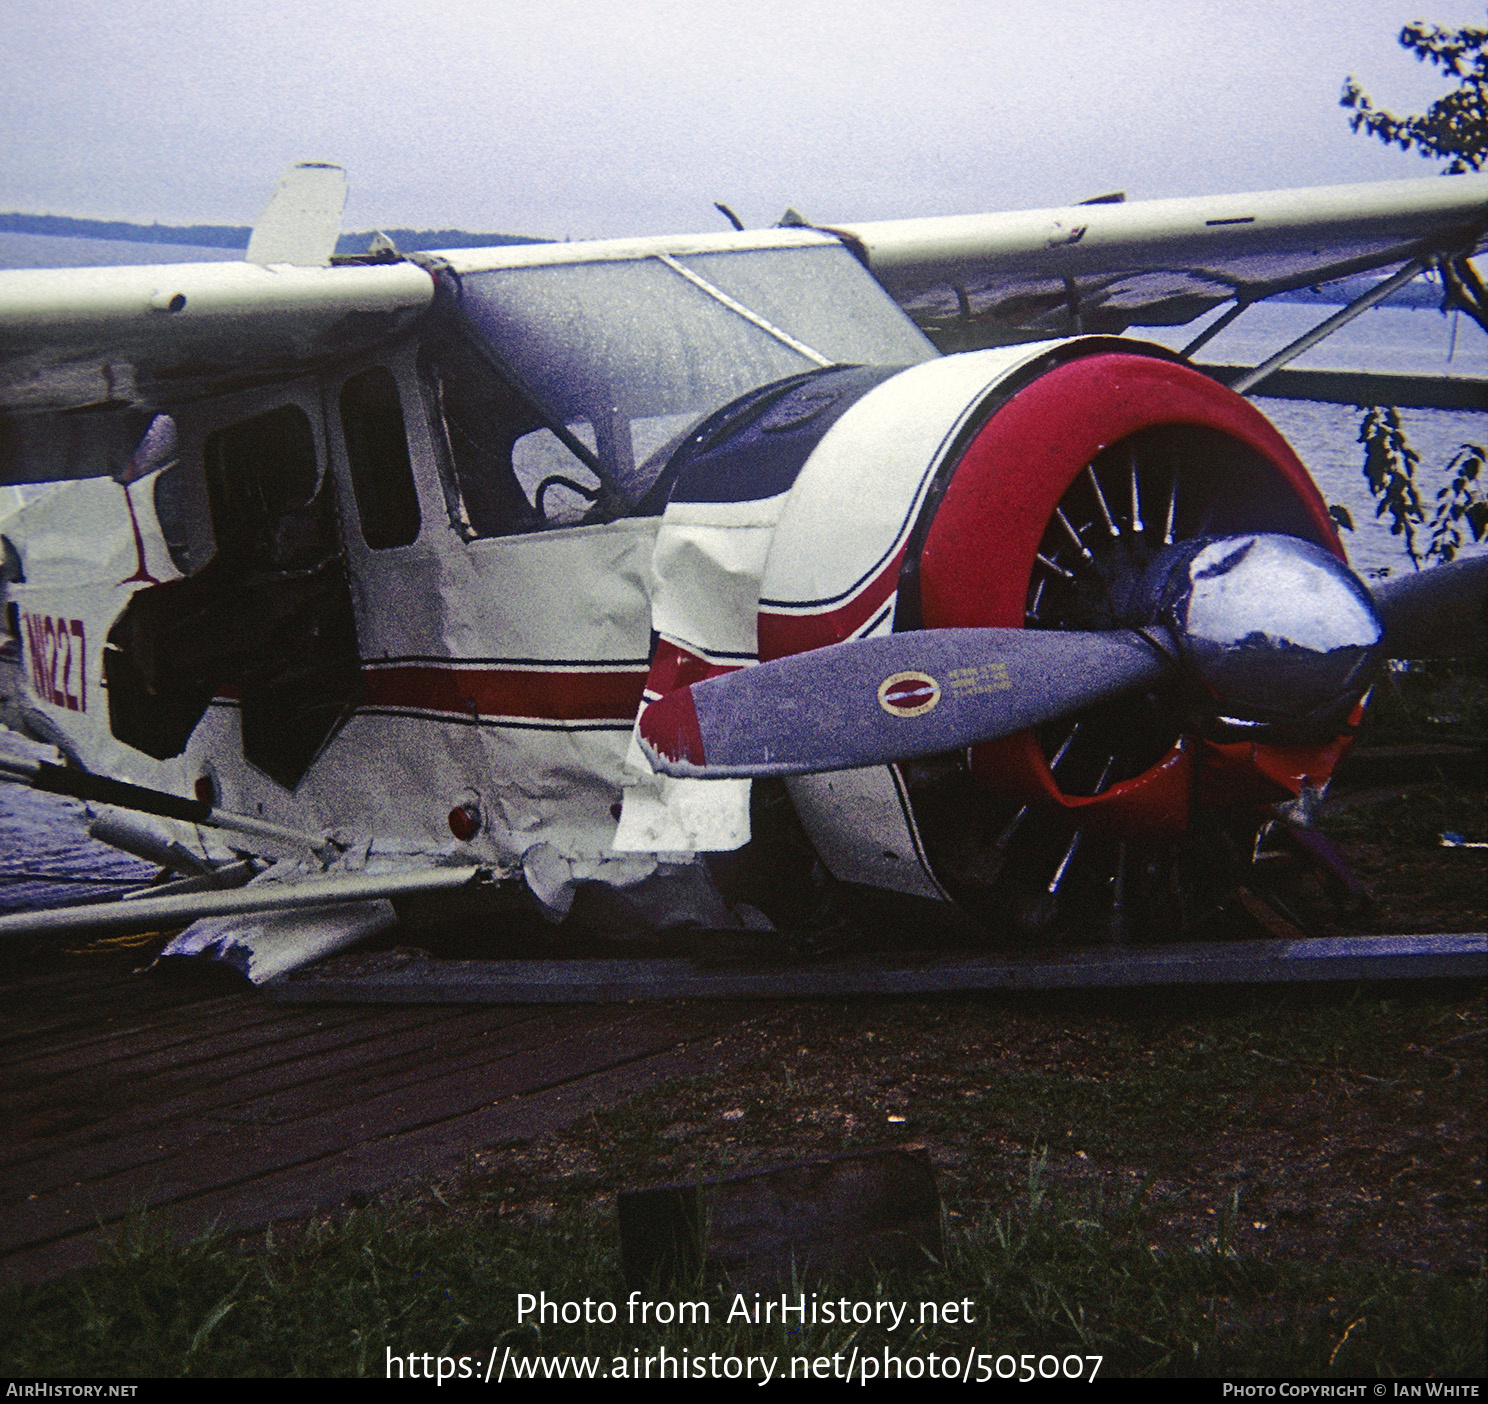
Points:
(302, 220)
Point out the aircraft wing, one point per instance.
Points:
(75, 338)
(980, 280)
(95, 337)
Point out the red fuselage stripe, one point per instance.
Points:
(507, 692)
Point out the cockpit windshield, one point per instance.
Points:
(626, 354)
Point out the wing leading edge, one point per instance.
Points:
(79, 338)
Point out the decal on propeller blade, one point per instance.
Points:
(908, 694)
(979, 680)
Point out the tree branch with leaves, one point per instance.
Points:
(1453, 129)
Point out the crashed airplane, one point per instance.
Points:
(566, 568)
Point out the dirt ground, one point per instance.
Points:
(1331, 1122)
(1366, 1144)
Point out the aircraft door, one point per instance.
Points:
(505, 635)
(269, 616)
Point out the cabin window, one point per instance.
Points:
(630, 352)
(260, 470)
(377, 455)
(177, 490)
(507, 470)
(270, 614)
(181, 510)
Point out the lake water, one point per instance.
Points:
(1326, 440)
(61, 251)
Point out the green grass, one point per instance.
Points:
(1089, 1212)
(1051, 1273)
(1138, 1078)
(1439, 700)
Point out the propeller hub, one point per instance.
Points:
(1278, 631)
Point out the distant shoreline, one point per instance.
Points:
(234, 237)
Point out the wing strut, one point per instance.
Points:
(99, 789)
(1342, 317)
(1216, 326)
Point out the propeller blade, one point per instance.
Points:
(1438, 613)
(874, 701)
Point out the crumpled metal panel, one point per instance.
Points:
(503, 674)
(267, 944)
(709, 559)
(819, 589)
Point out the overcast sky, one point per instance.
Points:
(583, 118)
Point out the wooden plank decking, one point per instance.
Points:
(119, 1091)
(115, 1092)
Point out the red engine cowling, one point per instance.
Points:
(1095, 485)
(1108, 444)
(1058, 481)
